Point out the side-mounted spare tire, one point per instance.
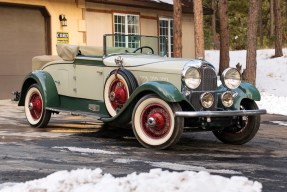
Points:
(118, 87)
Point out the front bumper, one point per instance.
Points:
(220, 113)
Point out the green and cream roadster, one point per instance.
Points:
(130, 79)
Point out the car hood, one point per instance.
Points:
(151, 63)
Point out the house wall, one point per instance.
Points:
(99, 19)
(87, 26)
(73, 10)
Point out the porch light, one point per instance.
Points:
(63, 20)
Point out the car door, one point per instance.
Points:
(89, 82)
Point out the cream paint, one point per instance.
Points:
(85, 81)
(89, 82)
(63, 76)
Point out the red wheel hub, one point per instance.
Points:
(118, 94)
(36, 106)
(155, 121)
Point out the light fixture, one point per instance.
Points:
(63, 20)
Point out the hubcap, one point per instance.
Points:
(35, 106)
(118, 94)
(155, 121)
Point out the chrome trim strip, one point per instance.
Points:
(219, 113)
(89, 58)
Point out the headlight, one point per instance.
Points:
(192, 77)
(231, 78)
(207, 100)
(227, 99)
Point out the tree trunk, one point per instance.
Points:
(177, 28)
(224, 36)
(215, 39)
(271, 18)
(250, 73)
(198, 25)
(260, 25)
(278, 29)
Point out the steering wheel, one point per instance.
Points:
(143, 47)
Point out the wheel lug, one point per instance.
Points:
(151, 122)
(31, 106)
(112, 96)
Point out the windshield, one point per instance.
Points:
(137, 44)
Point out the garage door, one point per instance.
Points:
(22, 36)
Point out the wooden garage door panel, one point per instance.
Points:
(22, 36)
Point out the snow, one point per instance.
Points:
(271, 82)
(88, 150)
(164, 1)
(271, 77)
(157, 180)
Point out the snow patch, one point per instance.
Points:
(164, 1)
(157, 180)
(88, 150)
(282, 123)
(177, 167)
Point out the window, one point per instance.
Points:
(166, 31)
(127, 25)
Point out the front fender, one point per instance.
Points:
(244, 91)
(46, 82)
(164, 90)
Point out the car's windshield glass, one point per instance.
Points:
(136, 44)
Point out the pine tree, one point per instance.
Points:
(198, 25)
(177, 28)
(278, 29)
(250, 72)
(224, 36)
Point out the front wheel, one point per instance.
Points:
(35, 111)
(154, 123)
(246, 129)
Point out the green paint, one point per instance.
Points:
(89, 62)
(244, 91)
(84, 105)
(46, 82)
(165, 90)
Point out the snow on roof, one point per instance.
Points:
(164, 1)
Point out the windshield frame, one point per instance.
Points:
(160, 52)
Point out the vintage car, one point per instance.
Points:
(130, 80)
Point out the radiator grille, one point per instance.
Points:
(208, 84)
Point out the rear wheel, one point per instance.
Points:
(154, 123)
(35, 111)
(245, 131)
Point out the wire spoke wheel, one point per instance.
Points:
(155, 121)
(154, 124)
(118, 94)
(118, 88)
(35, 111)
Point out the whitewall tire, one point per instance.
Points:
(154, 123)
(35, 111)
(118, 88)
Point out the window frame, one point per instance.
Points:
(169, 34)
(126, 26)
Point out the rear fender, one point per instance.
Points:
(46, 82)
